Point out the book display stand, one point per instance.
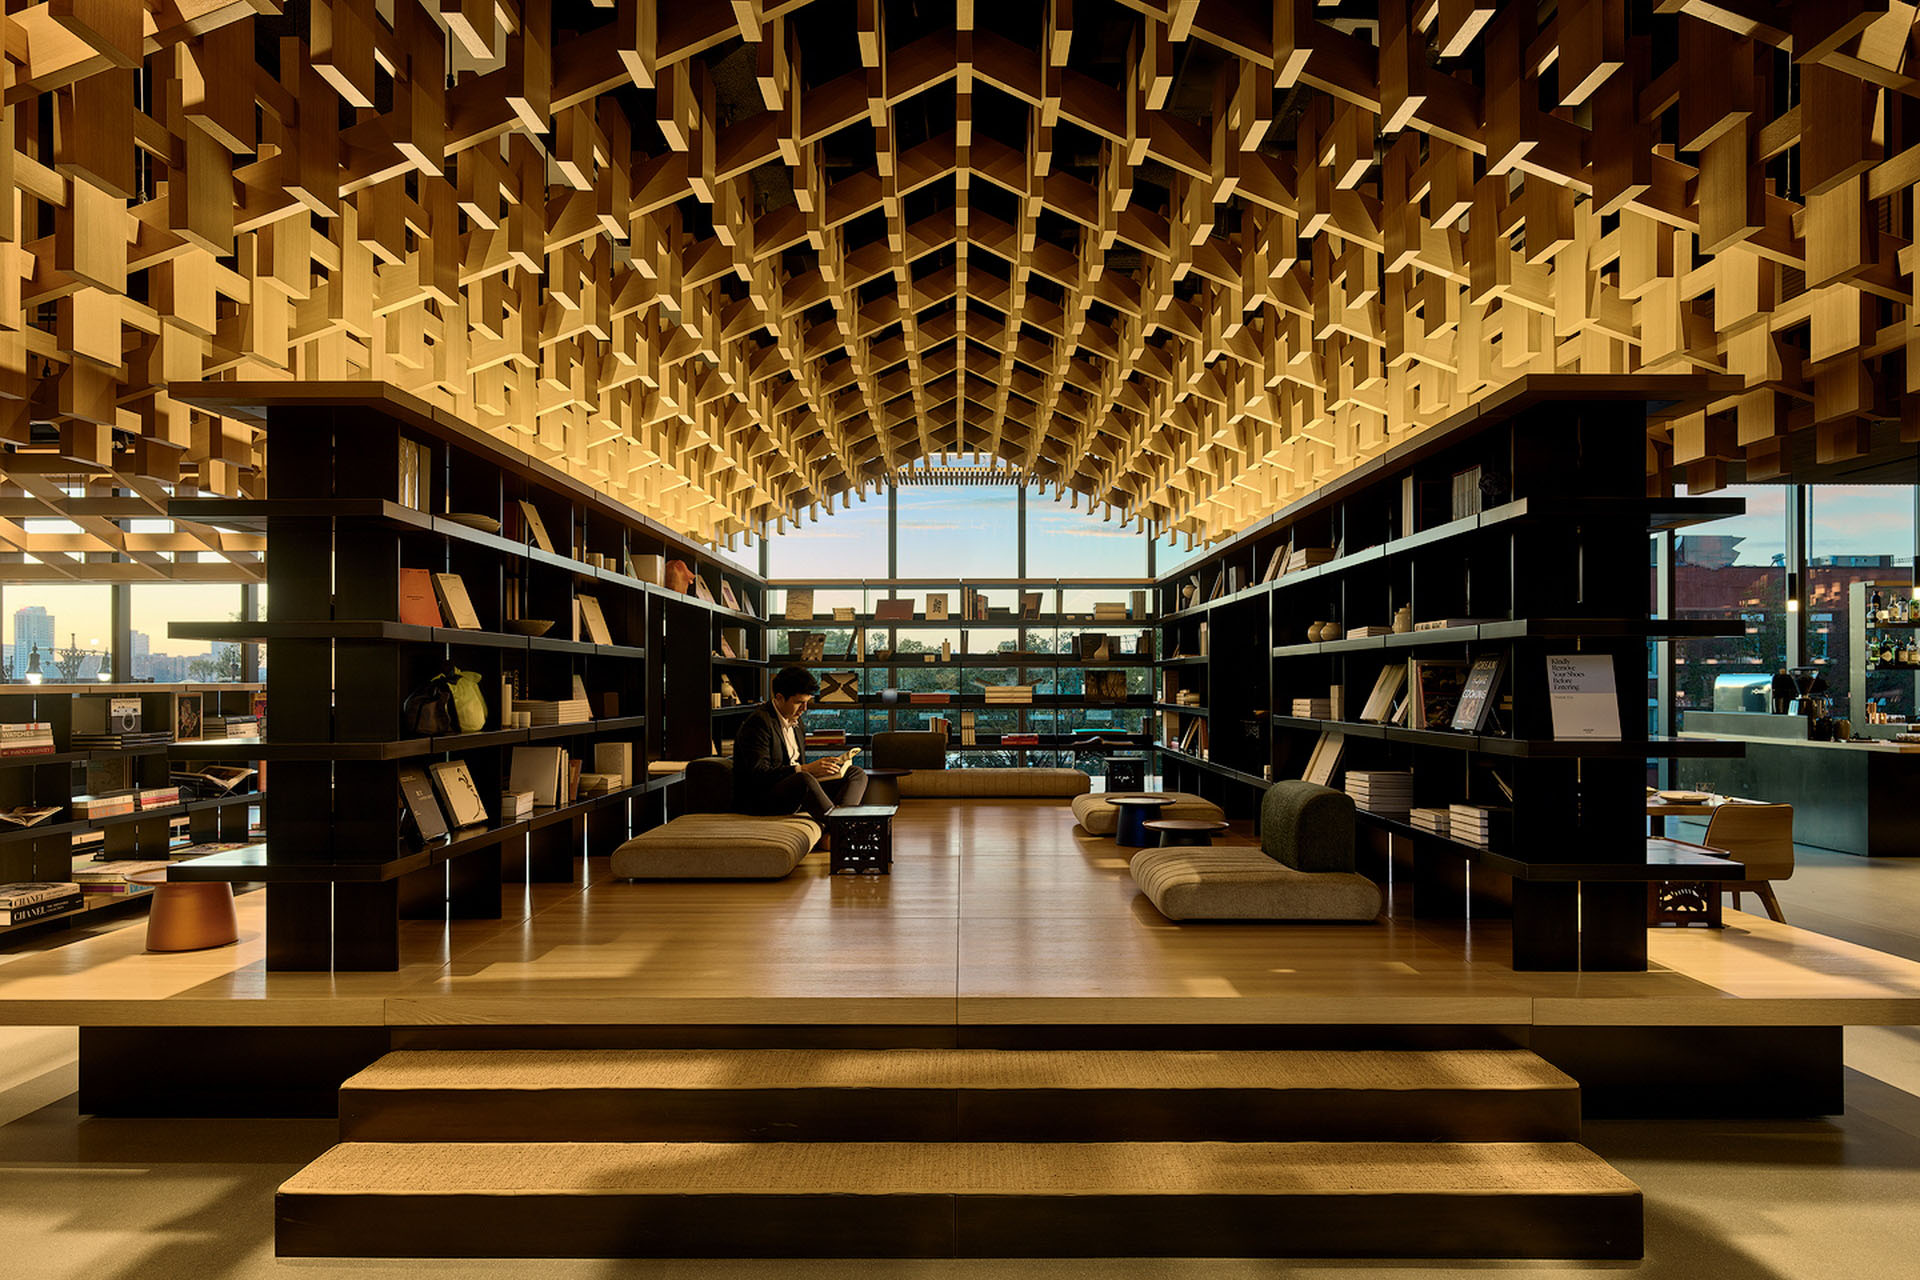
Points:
(344, 860)
(1440, 606)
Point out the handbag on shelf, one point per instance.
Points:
(428, 710)
(839, 688)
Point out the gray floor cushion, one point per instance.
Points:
(1096, 816)
(717, 846)
(1240, 883)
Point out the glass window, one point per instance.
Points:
(1171, 551)
(1065, 543)
(846, 544)
(1733, 569)
(1857, 534)
(959, 532)
(159, 658)
(64, 631)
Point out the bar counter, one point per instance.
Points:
(1860, 797)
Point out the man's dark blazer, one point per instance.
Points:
(760, 759)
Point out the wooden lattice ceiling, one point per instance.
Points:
(735, 261)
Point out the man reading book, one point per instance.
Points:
(771, 773)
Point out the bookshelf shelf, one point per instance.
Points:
(1565, 475)
(535, 544)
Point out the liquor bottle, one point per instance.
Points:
(1874, 606)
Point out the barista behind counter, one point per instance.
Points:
(1852, 796)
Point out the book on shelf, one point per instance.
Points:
(1444, 624)
(516, 805)
(1007, 694)
(937, 606)
(594, 620)
(533, 528)
(615, 758)
(416, 793)
(1362, 633)
(28, 815)
(1581, 697)
(702, 591)
(728, 598)
(1434, 686)
(895, 610)
(1030, 604)
(206, 781)
(929, 698)
(36, 900)
(157, 797)
(1109, 611)
(120, 741)
(105, 715)
(1475, 824)
(1306, 558)
(574, 768)
(1324, 761)
(649, 569)
(1434, 822)
(455, 604)
(597, 784)
(459, 793)
(415, 472)
(96, 880)
(221, 727)
(541, 770)
(734, 640)
(799, 604)
(116, 805)
(26, 738)
(1137, 606)
(1381, 790)
(1205, 637)
(1313, 709)
(1386, 687)
(189, 716)
(826, 738)
(967, 729)
(419, 603)
(1466, 493)
(843, 613)
(1476, 696)
(560, 711)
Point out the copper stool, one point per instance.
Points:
(188, 915)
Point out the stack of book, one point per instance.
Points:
(516, 805)
(826, 738)
(1313, 708)
(1007, 694)
(1432, 821)
(1306, 558)
(598, 784)
(1381, 790)
(1187, 698)
(219, 726)
(111, 877)
(110, 741)
(1471, 824)
(932, 698)
(36, 900)
(88, 808)
(1361, 633)
(1019, 739)
(158, 797)
(31, 738)
(1109, 611)
(967, 738)
(565, 711)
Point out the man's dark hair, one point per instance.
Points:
(794, 681)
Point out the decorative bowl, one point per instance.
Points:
(474, 520)
(530, 626)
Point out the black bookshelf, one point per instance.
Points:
(1549, 557)
(53, 849)
(344, 517)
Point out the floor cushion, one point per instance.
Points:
(1096, 816)
(995, 782)
(717, 846)
(1228, 882)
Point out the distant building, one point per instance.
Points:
(33, 625)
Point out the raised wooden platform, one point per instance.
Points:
(1000, 925)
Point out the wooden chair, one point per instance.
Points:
(1759, 836)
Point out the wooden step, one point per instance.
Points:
(940, 1095)
(967, 1199)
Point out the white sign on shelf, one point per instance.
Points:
(1581, 694)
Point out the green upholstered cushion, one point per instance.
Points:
(1307, 827)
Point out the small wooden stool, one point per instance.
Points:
(1129, 830)
(1178, 831)
(188, 915)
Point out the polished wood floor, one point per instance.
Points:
(997, 913)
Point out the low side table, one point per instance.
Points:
(862, 838)
(188, 915)
(1190, 831)
(883, 785)
(1129, 829)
